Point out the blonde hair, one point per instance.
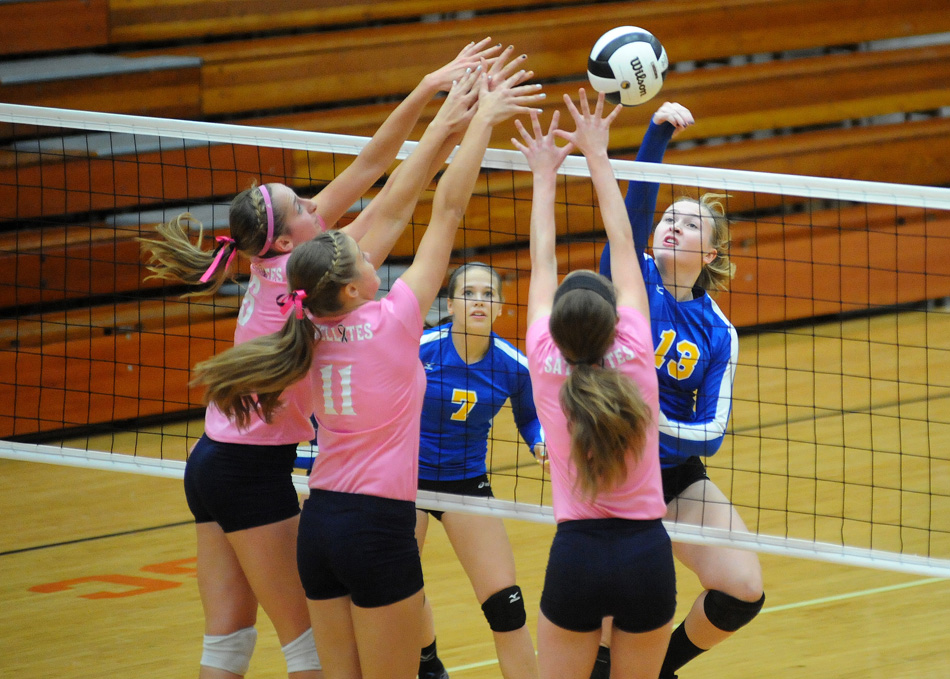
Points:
(607, 416)
(250, 377)
(174, 257)
(716, 275)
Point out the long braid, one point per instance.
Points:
(260, 230)
(323, 298)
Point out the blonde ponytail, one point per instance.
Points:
(249, 377)
(175, 258)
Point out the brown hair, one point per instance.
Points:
(456, 278)
(174, 257)
(606, 414)
(250, 377)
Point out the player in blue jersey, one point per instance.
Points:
(696, 355)
(470, 373)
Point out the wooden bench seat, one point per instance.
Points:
(83, 261)
(364, 63)
(163, 20)
(99, 172)
(101, 365)
(158, 85)
(778, 94)
(52, 25)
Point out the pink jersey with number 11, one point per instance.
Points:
(368, 386)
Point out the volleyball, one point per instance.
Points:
(628, 64)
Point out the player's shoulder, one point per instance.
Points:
(508, 352)
(717, 316)
(433, 336)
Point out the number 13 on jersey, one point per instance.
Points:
(688, 356)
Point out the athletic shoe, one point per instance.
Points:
(439, 674)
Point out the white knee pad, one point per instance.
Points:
(301, 653)
(230, 652)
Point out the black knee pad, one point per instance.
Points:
(728, 613)
(504, 610)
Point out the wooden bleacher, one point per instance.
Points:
(52, 26)
(355, 64)
(156, 85)
(325, 61)
(163, 20)
(110, 363)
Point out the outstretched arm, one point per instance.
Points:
(669, 119)
(500, 96)
(544, 157)
(381, 223)
(591, 137)
(378, 155)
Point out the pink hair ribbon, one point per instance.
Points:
(223, 243)
(292, 300)
(270, 221)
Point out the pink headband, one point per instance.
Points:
(292, 300)
(270, 221)
(223, 243)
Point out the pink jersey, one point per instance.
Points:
(368, 387)
(641, 495)
(260, 315)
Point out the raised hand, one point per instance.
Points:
(539, 148)
(501, 94)
(675, 114)
(467, 60)
(461, 103)
(593, 128)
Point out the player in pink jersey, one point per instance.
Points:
(238, 478)
(357, 554)
(590, 355)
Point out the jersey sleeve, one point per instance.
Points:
(703, 435)
(641, 196)
(522, 406)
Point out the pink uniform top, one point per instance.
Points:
(260, 315)
(640, 496)
(368, 387)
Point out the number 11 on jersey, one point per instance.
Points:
(345, 404)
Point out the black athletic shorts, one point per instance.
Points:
(240, 486)
(618, 567)
(479, 486)
(682, 476)
(358, 545)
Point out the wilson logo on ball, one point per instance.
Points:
(628, 64)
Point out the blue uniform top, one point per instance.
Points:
(696, 346)
(461, 401)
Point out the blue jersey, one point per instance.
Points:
(461, 401)
(696, 346)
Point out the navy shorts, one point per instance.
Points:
(240, 486)
(602, 567)
(479, 486)
(358, 545)
(682, 476)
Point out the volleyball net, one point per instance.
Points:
(837, 447)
